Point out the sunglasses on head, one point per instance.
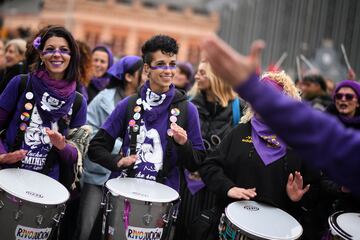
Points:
(348, 96)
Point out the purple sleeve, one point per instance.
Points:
(320, 139)
(193, 130)
(114, 124)
(4, 115)
(80, 118)
(69, 154)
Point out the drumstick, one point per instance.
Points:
(307, 62)
(345, 57)
(298, 68)
(281, 60)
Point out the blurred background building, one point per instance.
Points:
(311, 28)
(122, 24)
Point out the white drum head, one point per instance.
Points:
(33, 186)
(345, 224)
(142, 190)
(263, 221)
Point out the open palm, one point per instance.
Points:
(294, 187)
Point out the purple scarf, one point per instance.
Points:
(269, 147)
(100, 83)
(53, 98)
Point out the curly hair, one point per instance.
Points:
(284, 81)
(167, 45)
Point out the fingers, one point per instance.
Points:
(127, 161)
(290, 178)
(256, 48)
(306, 188)
(179, 134)
(298, 179)
(13, 157)
(241, 193)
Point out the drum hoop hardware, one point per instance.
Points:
(39, 219)
(57, 218)
(2, 204)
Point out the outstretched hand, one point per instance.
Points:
(231, 66)
(241, 193)
(294, 187)
(13, 157)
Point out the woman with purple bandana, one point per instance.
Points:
(253, 163)
(38, 118)
(126, 78)
(163, 148)
(102, 59)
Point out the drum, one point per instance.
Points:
(344, 225)
(31, 204)
(253, 220)
(139, 209)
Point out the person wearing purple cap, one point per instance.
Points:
(160, 130)
(126, 78)
(102, 59)
(249, 162)
(184, 76)
(336, 197)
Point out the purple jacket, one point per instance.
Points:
(320, 139)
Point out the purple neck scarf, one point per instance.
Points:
(53, 98)
(269, 147)
(154, 103)
(100, 83)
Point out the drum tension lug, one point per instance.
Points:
(18, 215)
(39, 219)
(1, 204)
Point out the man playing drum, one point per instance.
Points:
(160, 129)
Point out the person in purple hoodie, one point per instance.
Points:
(321, 140)
(163, 148)
(102, 60)
(38, 117)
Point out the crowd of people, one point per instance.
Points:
(218, 134)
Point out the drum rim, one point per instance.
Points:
(111, 190)
(260, 236)
(40, 201)
(336, 228)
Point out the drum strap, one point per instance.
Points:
(180, 102)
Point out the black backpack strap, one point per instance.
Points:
(23, 86)
(133, 131)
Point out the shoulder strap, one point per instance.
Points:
(20, 133)
(236, 111)
(129, 111)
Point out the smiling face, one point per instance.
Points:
(56, 56)
(161, 71)
(12, 55)
(346, 101)
(100, 61)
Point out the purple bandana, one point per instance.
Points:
(100, 83)
(269, 147)
(54, 98)
(121, 67)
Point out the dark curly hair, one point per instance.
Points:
(167, 45)
(33, 55)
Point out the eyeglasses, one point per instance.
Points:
(163, 67)
(63, 51)
(348, 96)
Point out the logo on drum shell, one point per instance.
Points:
(251, 208)
(140, 194)
(34, 194)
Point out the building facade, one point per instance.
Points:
(123, 25)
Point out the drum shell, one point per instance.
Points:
(31, 215)
(228, 230)
(142, 215)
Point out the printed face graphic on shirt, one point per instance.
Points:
(37, 143)
(49, 103)
(150, 153)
